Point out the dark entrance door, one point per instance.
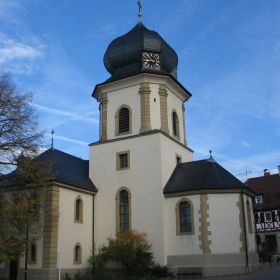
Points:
(271, 243)
(13, 270)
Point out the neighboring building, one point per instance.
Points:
(267, 209)
(195, 213)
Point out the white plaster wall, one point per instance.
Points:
(169, 150)
(224, 223)
(126, 92)
(180, 244)
(124, 96)
(69, 232)
(155, 107)
(174, 103)
(143, 180)
(39, 244)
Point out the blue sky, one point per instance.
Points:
(229, 57)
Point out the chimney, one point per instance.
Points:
(279, 170)
(266, 172)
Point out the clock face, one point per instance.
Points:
(151, 60)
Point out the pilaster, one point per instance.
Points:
(144, 92)
(163, 108)
(104, 108)
(204, 236)
(50, 237)
(184, 123)
(241, 223)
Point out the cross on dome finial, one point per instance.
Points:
(52, 132)
(140, 10)
(211, 159)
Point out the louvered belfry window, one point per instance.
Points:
(124, 120)
(175, 124)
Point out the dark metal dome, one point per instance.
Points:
(123, 56)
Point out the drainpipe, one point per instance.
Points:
(245, 234)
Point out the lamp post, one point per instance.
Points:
(59, 263)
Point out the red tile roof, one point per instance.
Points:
(269, 186)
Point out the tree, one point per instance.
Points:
(130, 250)
(21, 191)
(22, 207)
(18, 124)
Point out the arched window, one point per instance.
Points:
(77, 253)
(249, 217)
(184, 217)
(123, 206)
(32, 254)
(79, 210)
(123, 120)
(175, 124)
(124, 211)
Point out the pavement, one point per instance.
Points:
(265, 273)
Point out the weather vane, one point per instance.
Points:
(140, 9)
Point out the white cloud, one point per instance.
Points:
(71, 140)
(64, 113)
(246, 144)
(12, 49)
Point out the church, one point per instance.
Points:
(141, 176)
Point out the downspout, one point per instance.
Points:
(245, 234)
(93, 246)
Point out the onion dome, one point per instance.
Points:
(123, 57)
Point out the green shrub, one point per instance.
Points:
(130, 251)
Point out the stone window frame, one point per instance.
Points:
(29, 259)
(118, 161)
(177, 211)
(178, 158)
(77, 259)
(177, 124)
(118, 208)
(249, 216)
(117, 121)
(81, 211)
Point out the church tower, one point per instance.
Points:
(142, 136)
(197, 215)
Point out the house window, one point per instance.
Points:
(77, 254)
(78, 210)
(249, 217)
(184, 217)
(32, 254)
(123, 210)
(123, 160)
(267, 217)
(175, 124)
(259, 199)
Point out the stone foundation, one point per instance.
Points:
(213, 264)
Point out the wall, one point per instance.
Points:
(146, 178)
(126, 92)
(224, 223)
(181, 244)
(69, 232)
